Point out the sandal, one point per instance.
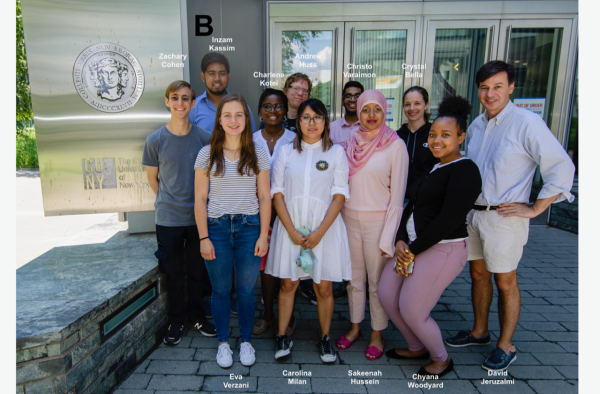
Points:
(344, 343)
(374, 352)
(392, 354)
(261, 325)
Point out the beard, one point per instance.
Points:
(216, 92)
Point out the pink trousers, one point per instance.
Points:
(367, 265)
(408, 301)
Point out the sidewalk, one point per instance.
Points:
(37, 234)
(546, 339)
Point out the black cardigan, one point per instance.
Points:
(440, 202)
(420, 157)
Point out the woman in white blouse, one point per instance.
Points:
(309, 188)
(272, 107)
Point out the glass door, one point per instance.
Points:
(538, 50)
(454, 53)
(312, 49)
(376, 55)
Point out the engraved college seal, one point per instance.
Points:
(108, 77)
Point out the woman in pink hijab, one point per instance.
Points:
(378, 163)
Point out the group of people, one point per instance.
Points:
(396, 214)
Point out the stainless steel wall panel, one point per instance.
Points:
(242, 21)
(71, 132)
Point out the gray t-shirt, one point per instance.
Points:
(174, 156)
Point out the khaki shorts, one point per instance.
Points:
(496, 239)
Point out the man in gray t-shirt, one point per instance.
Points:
(175, 156)
(169, 156)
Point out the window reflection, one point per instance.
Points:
(534, 53)
(309, 52)
(385, 51)
(458, 54)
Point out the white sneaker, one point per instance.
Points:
(224, 358)
(247, 357)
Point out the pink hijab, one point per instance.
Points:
(365, 142)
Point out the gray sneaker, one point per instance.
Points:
(284, 346)
(328, 355)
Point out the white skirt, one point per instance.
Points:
(331, 256)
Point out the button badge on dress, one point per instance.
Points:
(322, 165)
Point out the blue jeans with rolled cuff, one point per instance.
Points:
(234, 239)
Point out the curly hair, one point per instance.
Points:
(458, 108)
(96, 77)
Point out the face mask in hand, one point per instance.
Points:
(304, 261)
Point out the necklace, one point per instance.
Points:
(276, 135)
(235, 151)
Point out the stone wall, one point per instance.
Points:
(79, 363)
(565, 215)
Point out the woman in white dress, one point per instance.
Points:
(309, 188)
(272, 107)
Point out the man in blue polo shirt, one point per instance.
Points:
(215, 74)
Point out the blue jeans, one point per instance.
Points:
(234, 239)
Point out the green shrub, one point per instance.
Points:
(27, 150)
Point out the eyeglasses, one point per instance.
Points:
(349, 96)
(269, 107)
(298, 90)
(317, 119)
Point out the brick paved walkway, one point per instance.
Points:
(546, 339)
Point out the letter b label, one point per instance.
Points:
(199, 25)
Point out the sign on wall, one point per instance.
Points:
(98, 90)
(533, 104)
(108, 77)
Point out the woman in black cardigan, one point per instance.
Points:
(415, 133)
(431, 243)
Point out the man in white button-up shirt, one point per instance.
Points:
(507, 143)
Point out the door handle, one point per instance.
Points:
(491, 46)
(509, 30)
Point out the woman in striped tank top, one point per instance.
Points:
(233, 219)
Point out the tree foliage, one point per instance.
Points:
(300, 38)
(24, 112)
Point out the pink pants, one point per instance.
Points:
(367, 265)
(408, 301)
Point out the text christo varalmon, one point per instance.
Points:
(356, 71)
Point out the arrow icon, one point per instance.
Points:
(456, 67)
